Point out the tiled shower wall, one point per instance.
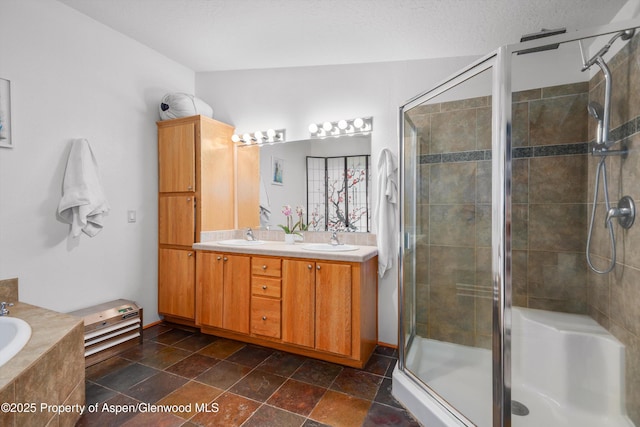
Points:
(614, 298)
(549, 198)
(549, 210)
(453, 280)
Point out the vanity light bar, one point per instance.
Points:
(357, 126)
(261, 137)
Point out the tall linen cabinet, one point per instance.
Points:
(196, 185)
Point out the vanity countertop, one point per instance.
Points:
(296, 250)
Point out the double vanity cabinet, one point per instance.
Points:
(319, 305)
(322, 305)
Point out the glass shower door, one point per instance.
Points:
(447, 252)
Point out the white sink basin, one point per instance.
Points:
(328, 247)
(14, 334)
(240, 242)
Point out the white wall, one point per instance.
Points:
(73, 77)
(292, 98)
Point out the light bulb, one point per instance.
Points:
(246, 138)
(258, 136)
(327, 126)
(235, 138)
(358, 123)
(342, 124)
(313, 128)
(271, 133)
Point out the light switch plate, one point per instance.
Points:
(131, 216)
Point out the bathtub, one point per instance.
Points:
(567, 370)
(14, 334)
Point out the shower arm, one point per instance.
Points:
(607, 100)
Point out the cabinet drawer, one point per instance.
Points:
(265, 317)
(266, 266)
(266, 286)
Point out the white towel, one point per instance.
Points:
(83, 202)
(386, 211)
(265, 205)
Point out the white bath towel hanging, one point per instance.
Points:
(83, 202)
(386, 210)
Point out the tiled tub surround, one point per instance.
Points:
(48, 370)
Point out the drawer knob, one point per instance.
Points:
(317, 267)
(219, 258)
(190, 254)
(309, 266)
(225, 259)
(264, 287)
(264, 317)
(264, 267)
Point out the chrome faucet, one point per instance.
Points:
(4, 311)
(249, 235)
(334, 239)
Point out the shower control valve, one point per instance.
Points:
(625, 212)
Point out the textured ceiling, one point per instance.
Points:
(210, 35)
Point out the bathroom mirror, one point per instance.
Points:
(284, 181)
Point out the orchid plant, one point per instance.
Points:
(290, 227)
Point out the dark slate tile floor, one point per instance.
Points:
(180, 377)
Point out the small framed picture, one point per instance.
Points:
(277, 171)
(5, 114)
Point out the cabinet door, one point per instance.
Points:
(177, 158)
(176, 220)
(237, 293)
(210, 287)
(265, 317)
(333, 308)
(298, 302)
(176, 283)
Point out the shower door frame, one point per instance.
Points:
(494, 62)
(500, 61)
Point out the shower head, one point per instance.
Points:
(627, 34)
(624, 35)
(595, 110)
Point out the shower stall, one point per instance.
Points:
(519, 264)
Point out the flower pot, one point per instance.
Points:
(289, 239)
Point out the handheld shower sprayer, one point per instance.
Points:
(597, 112)
(625, 212)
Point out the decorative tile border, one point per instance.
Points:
(621, 132)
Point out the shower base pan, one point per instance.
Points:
(567, 370)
